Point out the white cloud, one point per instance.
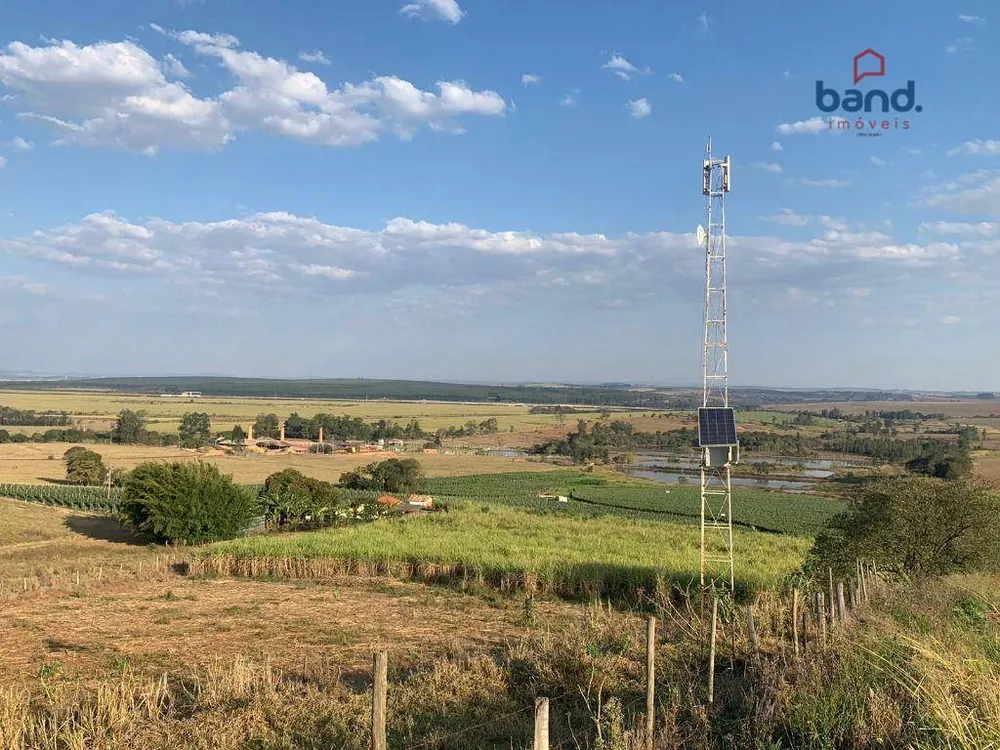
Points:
(977, 148)
(812, 125)
(786, 74)
(789, 218)
(959, 45)
(980, 229)
(776, 146)
(442, 10)
(569, 100)
(971, 19)
(951, 320)
(174, 67)
(878, 162)
(20, 144)
(677, 78)
(3, 162)
(836, 224)
(705, 22)
(316, 56)
(116, 94)
(769, 167)
(825, 182)
(157, 28)
(639, 108)
(529, 78)
(975, 193)
(620, 66)
(280, 254)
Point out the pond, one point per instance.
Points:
(669, 477)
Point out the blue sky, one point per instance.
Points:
(495, 190)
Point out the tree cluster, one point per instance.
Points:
(28, 418)
(402, 475)
(915, 526)
(335, 428)
(290, 499)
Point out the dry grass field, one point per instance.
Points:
(952, 408)
(142, 612)
(988, 465)
(40, 463)
(97, 410)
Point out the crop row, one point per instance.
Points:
(589, 495)
(65, 496)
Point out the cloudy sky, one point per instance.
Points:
(487, 190)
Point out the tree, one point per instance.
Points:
(195, 430)
(393, 475)
(916, 526)
(237, 435)
(129, 427)
(296, 426)
(189, 502)
(266, 425)
(84, 467)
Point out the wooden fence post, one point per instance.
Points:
(379, 694)
(541, 724)
(864, 582)
(650, 680)
(752, 633)
(841, 606)
(821, 616)
(833, 599)
(852, 596)
(805, 630)
(711, 650)
(795, 620)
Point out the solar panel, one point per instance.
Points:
(716, 426)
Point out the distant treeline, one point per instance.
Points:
(556, 409)
(613, 394)
(28, 418)
(74, 435)
(409, 390)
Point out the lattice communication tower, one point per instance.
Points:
(716, 420)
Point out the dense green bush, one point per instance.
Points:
(915, 526)
(392, 475)
(186, 502)
(290, 498)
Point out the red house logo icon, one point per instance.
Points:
(868, 63)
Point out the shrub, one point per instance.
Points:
(915, 526)
(289, 497)
(185, 502)
(392, 475)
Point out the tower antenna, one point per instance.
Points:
(716, 419)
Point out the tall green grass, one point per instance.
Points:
(511, 548)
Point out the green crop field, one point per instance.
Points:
(599, 495)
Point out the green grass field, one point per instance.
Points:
(612, 537)
(510, 548)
